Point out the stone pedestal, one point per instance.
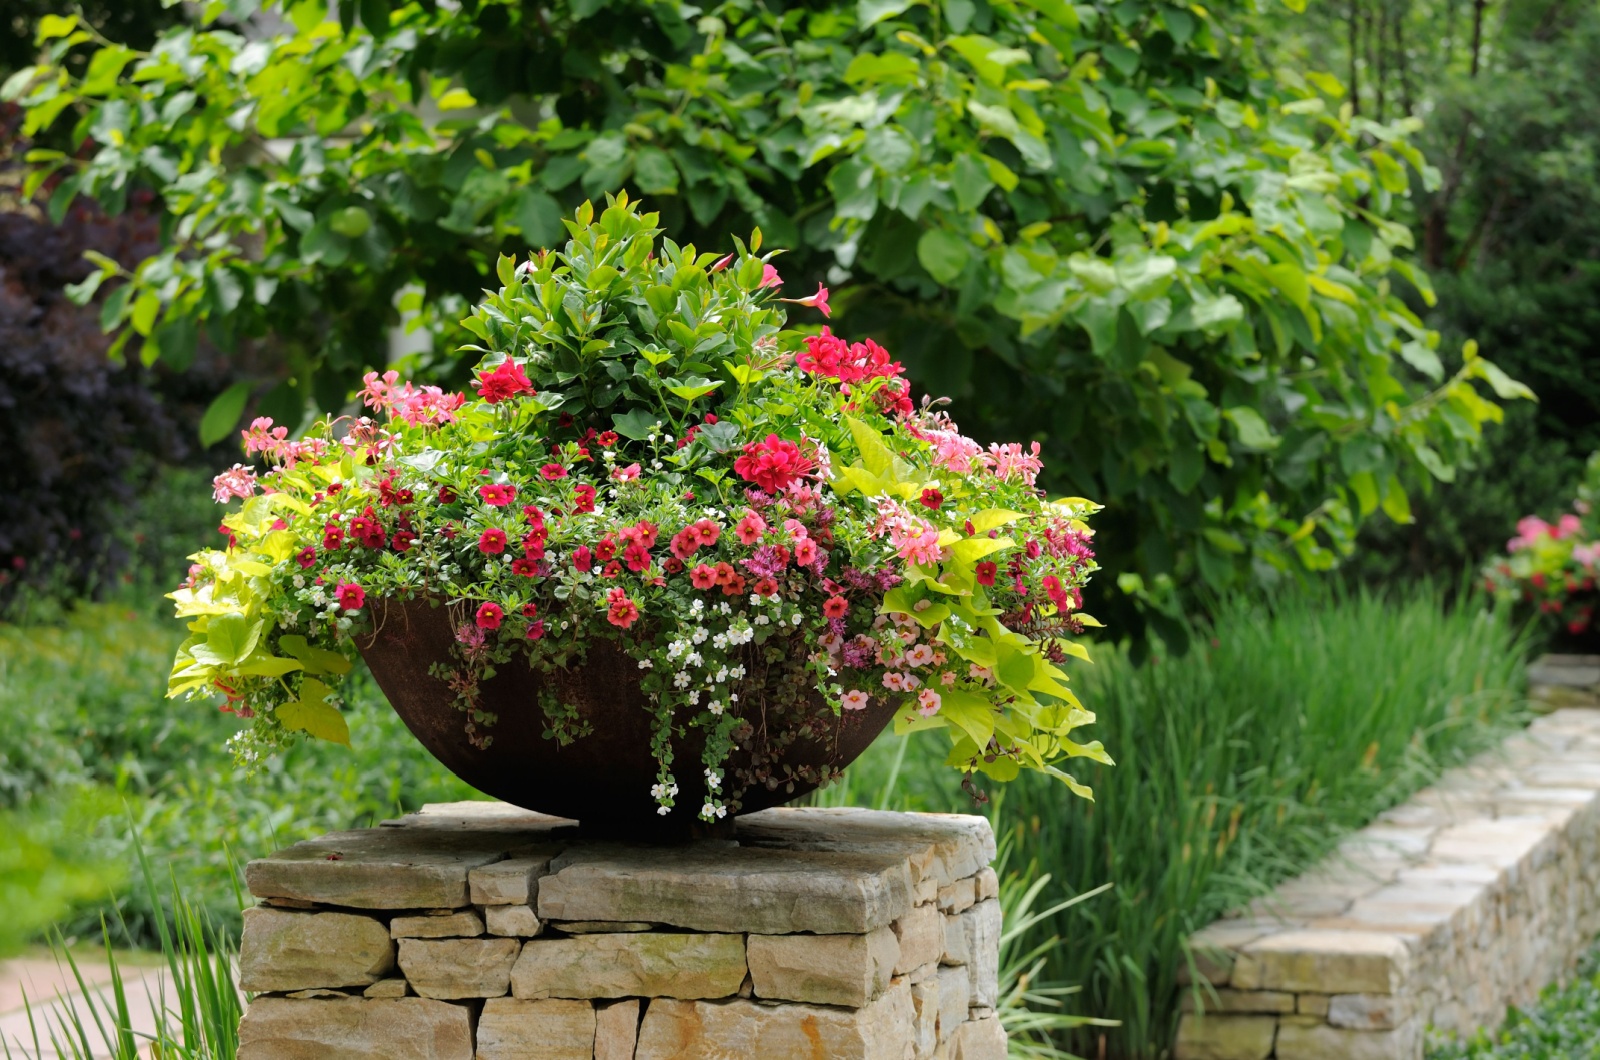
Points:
(477, 931)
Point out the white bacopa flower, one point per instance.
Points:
(663, 810)
(795, 619)
(762, 620)
(681, 679)
(713, 779)
(715, 707)
(722, 675)
(694, 698)
(737, 672)
(645, 664)
(700, 634)
(694, 659)
(697, 605)
(708, 811)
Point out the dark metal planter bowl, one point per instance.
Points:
(790, 745)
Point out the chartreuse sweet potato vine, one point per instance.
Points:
(652, 458)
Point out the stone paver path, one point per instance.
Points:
(52, 991)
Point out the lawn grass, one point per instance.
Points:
(1239, 764)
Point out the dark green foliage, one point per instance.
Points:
(1107, 226)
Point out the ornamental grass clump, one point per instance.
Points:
(758, 516)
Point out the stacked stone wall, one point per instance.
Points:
(475, 930)
(1471, 896)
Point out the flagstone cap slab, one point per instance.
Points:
(383, 868)
(721, 888)
(948, 847)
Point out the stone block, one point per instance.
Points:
(988, 883)
(1224, 1037)
(699, 1030)
(600, 927)
(957, 943)
(631, 965)
(484, 815)
(925, 1017)
(283, 950)
(959, 896)
(921, 937)
(514, 881)
(981, 925)
(979, 1039)
(515, 921)
(465, 924)
(1260, 1001)
(380, 868)
(1368, 1012)
(1322, 1042)
(510, 1029)
(459, 968)
(847, 970)
(411, 1028)
(1215, 948)
(718, 888)
(616, 1030)
(1326, 962)
(944, 847)
(955, 996)
(387, 988)
(1312, 1005)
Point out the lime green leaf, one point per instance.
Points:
(312, 714)
(222, 415)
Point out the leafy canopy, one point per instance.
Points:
(1103, 225)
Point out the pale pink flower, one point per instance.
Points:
(625, 474)
(237, 481)
(954, 451)
(948, 679)
(1010, 460)
(980, 673)
(894, 681)
(921, 549)
(921, 655)
(928, 702)
(770, 277)
(911, 682)
(1587, 555)
(1567, 525)
(855, 699)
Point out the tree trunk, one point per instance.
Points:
(1477, 33)
(1355, 56)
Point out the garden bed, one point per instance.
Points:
(1470, 896)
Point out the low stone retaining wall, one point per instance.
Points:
(1566, 680)
(476, 930)
(1471, 896)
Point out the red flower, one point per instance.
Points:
(351, 596)
(836, 607)
(536, 629)
(703, 576)
(530, 609)
(527, 566)
(585, 501)
(765, 586)
(307, 556)
(490, 616)
(684, 544)
(612, 569)
(533, 546)
(706, 532)
(606, 550)
(726, 573)
(403, 540)
(986, 572)
(447, 495)
(332, 536)
(733, 586)
(583, 558)
(533, 515)
(366, 529)
(497, 496)
(637, 557)
(672, 565)
(932, 499)
(551, 472)
(623, 612)
(1058, 595)
(504, 382)
(772, 464)
(492, 542)
(606, 439)
(641, 533)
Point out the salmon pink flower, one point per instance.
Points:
(489, 616)
(621, 611)
(818, 301)
(351, 596)
(750, 528)
(703, 576)
(805, 552)
(637, 558)
(551, 472)
(928, 702)
(855, 699)
(836, 607)
(237, 481)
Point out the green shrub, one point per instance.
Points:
(1244, 762)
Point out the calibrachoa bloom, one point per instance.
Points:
(764, 529)
(1551, 567)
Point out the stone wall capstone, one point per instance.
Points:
(477, 931)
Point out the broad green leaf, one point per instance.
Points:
(943, 253)
(312, 714)
(223, 413)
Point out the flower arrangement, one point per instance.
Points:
(1555, 566)
(652, 458)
